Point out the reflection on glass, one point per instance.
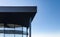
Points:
(24, 35)
(24, 29)
(17, 31)
(9, 35)
(11, 27)
(1, 26)
(18, 35)
(28, 31)
(1, 30)
(18, 28)
(1, 34)
(8, 31)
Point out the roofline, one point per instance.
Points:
(18, 8)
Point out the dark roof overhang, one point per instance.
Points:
(19, 15)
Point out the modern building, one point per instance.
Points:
(15, 21)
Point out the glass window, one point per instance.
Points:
(1, 34)
(18, 35)
(25, 32)
(12, 31)
(28, 32)
(18, 28)
(1, 30)
(9, 32)
(24, 29)
(11, 27)
(9, 35)
(24, 35)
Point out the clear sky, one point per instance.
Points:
(47, 20)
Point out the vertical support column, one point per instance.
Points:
(30, 31)
(22, 31)
(14, 30)
(30, 27)
(4, 28)
(27, 32)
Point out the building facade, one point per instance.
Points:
(15, 21)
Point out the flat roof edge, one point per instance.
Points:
(18, 9)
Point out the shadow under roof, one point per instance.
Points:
(19, 15)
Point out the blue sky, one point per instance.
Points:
(47, 20)
(47, 16)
